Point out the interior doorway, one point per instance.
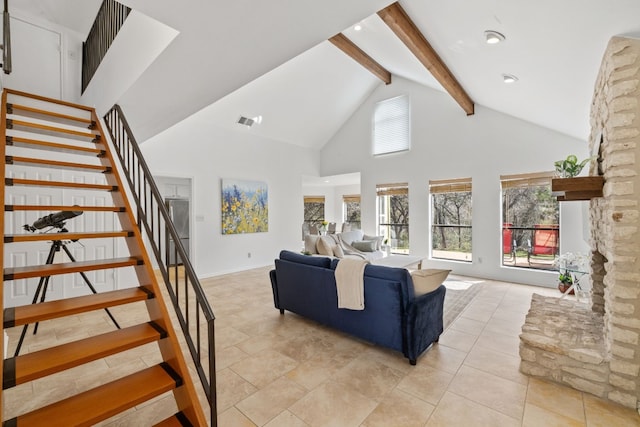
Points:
(177, 195)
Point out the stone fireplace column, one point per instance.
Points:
(597, 349)
(615, 240)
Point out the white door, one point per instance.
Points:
(90, 249)
(21, 292)
(36, 61)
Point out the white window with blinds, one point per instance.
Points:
(451, 215)
(530, 221)
(391, 126)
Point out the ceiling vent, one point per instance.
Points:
(246, 121)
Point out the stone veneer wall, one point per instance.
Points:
(612, 368)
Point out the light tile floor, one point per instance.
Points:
(287, 371)
(281, 371)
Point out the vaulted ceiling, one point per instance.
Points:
(274, 59)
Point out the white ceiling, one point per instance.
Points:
(253, 58)
(554, 48)
(77, 15)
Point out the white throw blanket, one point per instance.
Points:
(350, 283)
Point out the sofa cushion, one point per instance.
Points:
(425, 281)
(377, 239)
(338, 252)
(364, 245)
(318, 261)
(349, 236)
(310, 243)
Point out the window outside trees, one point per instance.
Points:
(451, 214)
(351, 211)
(313, 209)
(530, 222)
(393, 216)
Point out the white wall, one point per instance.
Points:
(194, 148)
(448, 144)
(29, 73)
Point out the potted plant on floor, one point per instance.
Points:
(564, 282)
(569, 264)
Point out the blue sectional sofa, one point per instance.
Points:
(393, 316)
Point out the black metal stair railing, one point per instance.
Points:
(188, 298)
(109, 20)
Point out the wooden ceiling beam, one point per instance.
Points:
(400, 23)
(350, 48)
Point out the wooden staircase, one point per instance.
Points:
(44, 137)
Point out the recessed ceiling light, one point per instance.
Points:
(509, 78)
(493, 37)
(357, 27)
(246, 121)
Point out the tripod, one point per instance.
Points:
(56, 245)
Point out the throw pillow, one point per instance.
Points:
(364, 245)
(338, 252)
(310, 243)
(351, 236)
(324, 246)
(377, 239)
(425, 281)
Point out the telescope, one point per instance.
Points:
(52, 220)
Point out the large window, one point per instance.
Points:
(393, 215)
(530, 221)
(451, 219)
(351, 210)
(391, 130)
(313, 209)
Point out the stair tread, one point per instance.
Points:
(24, 123)
(55, 163)
(55, 146)
(172, 421)
(26, 314)
(40, 140)
(63, 208)
(37, 237)
(105, 401)
(28, 109)
(42, 183)
(16, 273)
(32, 366)
(48, 99)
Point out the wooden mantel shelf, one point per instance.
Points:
(578, 188)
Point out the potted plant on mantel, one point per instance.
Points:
(570, 167)
(568, 186)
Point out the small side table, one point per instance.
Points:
(576, 275)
